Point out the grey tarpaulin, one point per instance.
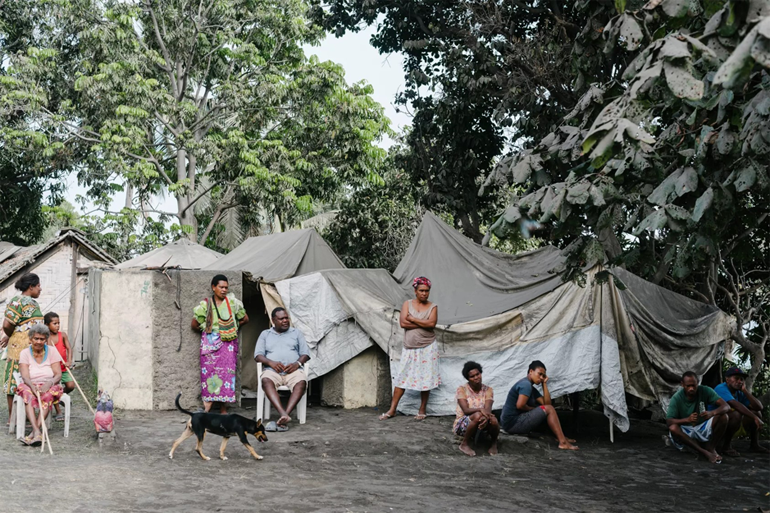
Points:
(183, 254)
(278, 256)
(637, 340)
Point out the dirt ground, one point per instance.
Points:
(346, 460)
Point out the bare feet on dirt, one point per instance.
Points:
(493, 449)
(760, 448)
(714, 457)
(285, 419)
(467, 450)
(567, 445)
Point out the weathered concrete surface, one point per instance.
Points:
(347, 460)
(125, 338)
(148, 352)
(363, 381)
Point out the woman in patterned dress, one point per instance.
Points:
(218, 319)
(419, 357)
(21, 314)
(474, 410)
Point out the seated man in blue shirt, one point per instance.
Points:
(282, 350)
(746, 411)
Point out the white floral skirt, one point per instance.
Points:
(419, 368)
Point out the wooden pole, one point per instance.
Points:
(81, 391)
(43, 427)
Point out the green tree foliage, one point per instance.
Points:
(210, 100)
(637, 131)
(25, 177)
(376, 223)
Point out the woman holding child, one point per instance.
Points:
(419, 357)
(21, 314)
(218, 319)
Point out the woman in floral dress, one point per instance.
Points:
(419, 357)
(21, 314)
(218, 319)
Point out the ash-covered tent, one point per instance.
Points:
(181, 254)
(269, 258)
(265, 260)
(504, 311)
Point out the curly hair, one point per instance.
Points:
(469, 366)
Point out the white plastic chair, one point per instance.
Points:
(263, 404)
(19, 416)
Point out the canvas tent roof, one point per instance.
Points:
(474, 281)
(637, 338)
(278, 256)
(182, 254)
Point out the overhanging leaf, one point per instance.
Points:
(687, 181)
(652, 222)
(667, 187)
(746, 178)
(702, 204)
(675, 8)
(682, 83)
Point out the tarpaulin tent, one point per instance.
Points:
(181, 254)
(504, 311)
(265, 260)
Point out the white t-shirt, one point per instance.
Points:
(40, 371)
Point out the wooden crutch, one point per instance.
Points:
(43, 427)
(80, 390)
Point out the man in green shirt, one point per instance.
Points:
(691, 423)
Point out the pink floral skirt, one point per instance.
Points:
(48, 397)
(419, 368)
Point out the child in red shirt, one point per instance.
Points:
(61, 342)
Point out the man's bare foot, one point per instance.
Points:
(493, 449)
(760, 448)
(713, 457)
(567, 445)
(285, 419)
(386, 416)
(467, 450)
(729, 451)
(571, 440)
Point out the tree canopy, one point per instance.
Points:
(638, 132)
(214, 103)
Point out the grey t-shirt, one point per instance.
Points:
(284, 347)
(522, 387)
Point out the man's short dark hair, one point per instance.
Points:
(276, 310)
(690, 374)
(537, 364)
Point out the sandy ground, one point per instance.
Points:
(344, 460)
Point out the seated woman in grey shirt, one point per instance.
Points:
(283, 351)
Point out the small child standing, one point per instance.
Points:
(61, 342)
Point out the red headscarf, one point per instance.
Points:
(420, 280)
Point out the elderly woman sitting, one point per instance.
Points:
(40, 368)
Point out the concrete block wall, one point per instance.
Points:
(363, 381)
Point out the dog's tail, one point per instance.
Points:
(179, 407)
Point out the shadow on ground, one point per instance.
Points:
(347, 460)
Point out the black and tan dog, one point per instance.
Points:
(222, 425)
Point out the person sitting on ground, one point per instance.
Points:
(40, 368)
(474, 410)
(525, 408)
(691, 423)
(283, 350)
(746, 411)
(61, 342)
